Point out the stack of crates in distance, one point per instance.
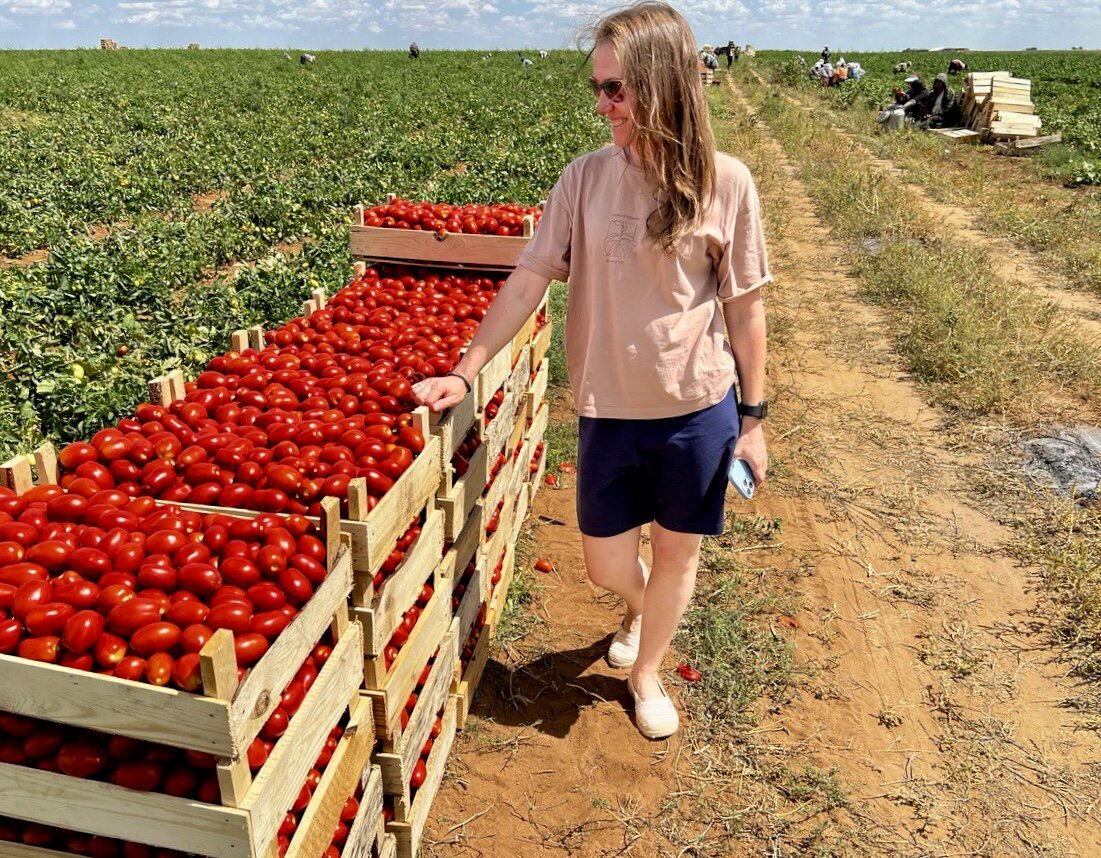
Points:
(466, 516)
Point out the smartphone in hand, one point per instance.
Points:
(741, 477)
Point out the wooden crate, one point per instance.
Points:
(367, 833)
(489, 380)
(465, 686)
(476, 595)
(457, 500)
(409, 833)
(463, 548)
(381, 612)
(451, 427)
(345, 771)
(397, 761)
(541, 342)
(495, 494)
(500, 592)
(223, 720)
(246, 825)
(535, 481)
(389, 690)
(451, 250)
(373, 534)
(537, 390)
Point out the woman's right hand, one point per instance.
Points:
(439, 393)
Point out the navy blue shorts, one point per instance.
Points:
(671, 470)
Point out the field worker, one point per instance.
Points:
(543, 55)
(825, 54)
(956, 65)
(939, 107)
(414, 51)
(661, 241)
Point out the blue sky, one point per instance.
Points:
(848, 25)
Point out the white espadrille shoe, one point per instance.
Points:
(624, 648)
(655, 717)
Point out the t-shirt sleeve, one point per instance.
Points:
(548, 252)
(743, 264)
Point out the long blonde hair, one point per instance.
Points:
(657, 53)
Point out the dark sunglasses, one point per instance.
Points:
(611, 88)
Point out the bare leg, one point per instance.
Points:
(667, 594)
(613, 563)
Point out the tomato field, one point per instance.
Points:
(153, 201)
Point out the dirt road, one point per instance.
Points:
(924, 698)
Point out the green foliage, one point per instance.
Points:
(131, 141)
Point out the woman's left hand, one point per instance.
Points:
(751, 447)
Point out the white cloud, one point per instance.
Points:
(67, 24)
(38, 7)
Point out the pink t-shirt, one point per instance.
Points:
(644, 331)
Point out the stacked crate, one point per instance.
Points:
(221, 720)
(999, 106)
(416, 584)
(476, 510)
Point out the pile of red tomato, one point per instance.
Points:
(127, 588)
(328, 400)
(293, 817)
(441, 218)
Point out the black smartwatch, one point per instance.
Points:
(760, 410)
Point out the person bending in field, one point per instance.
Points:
(414, 51)
(661, 241)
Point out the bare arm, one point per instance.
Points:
(516, 301)
(746, 329)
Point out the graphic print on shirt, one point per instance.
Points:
(621, 238)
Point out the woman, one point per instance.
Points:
(655, 235)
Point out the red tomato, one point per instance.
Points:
(235, 616)
(129, 616)
(138, 774)
(10, 633)
(39, 649)
(186, 674)
(82, 759)
(249, 648)
(420, 772)
(155, 638)
(82, 630)
(131, 667)
(158, 670)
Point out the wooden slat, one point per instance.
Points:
(259, 694)
(492, 376)
(458, 503)
(238, 340)
(391, 516)
(16, 474)
(218, 664)
(400, 590)
(476, 251)
(477, 590)
(451, 428)
(340, 779)
(390, 695)
(397, 764)
(138, 710)
(366, 828)
(409, 834)
(467, 687)
(45, 462)
(102, 808)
